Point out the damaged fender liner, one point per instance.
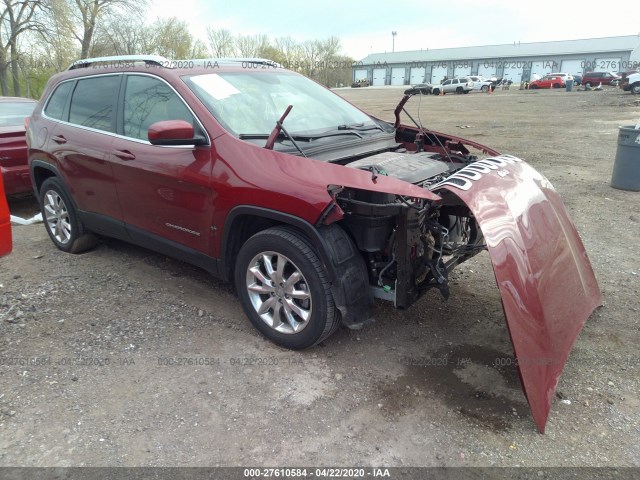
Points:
(545, 279)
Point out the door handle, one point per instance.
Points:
(124, 155)
(59, 139)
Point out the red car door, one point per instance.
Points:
(165, 192)
(81, 142)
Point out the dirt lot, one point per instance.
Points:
(109, 323)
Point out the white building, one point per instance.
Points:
(517, 61)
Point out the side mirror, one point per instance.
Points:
(174, 132)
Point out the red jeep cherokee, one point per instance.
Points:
(309, 205)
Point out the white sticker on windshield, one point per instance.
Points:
(215, 85)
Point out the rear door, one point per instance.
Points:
(82, 129)
(165, 192)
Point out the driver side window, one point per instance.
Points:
(148, 100)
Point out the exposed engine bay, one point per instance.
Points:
(410, 245)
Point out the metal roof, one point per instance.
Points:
(538, 49)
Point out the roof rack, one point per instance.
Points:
(234, 60)
(156, 60)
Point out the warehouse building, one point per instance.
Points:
(517, 62)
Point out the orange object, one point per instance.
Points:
(5, 223)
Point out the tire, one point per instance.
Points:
(588, 84)
(533, 87)
(484, 88)
(459, 90)
(635, 88)
(465, 92)
(556, 85)
(436, 91)
(61, 220)
(294, 315)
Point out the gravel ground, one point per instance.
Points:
(122, 357)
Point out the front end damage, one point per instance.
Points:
(499, 204)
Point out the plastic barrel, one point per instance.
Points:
(626, 168)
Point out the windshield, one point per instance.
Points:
(250, 103)
(13, 114)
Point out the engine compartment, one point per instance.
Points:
(409, 244)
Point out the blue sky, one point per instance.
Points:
(366, 27)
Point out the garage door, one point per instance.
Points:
(417, 75)
(574, 67)
(437, 74)
(397, 75)
(461, 71)
(607, 64)
(360, 75)
(486, 70)
(540, 69)
(513, 73)
(379, 76)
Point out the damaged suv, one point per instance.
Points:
(309, 205)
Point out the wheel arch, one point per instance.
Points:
(336, 250)
(40, 171)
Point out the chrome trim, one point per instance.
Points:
(152, 59)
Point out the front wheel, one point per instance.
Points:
(588, 84)
(61, 220)
(436, 91)
(533, 87)
(285, 290)
(484, 89)
(459, 90)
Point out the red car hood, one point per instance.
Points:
(547, 285)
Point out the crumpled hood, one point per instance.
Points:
(547, 284)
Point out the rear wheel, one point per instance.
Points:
(284, 289)
(556, 85)
(61, 220)
(484, 89)
(533, 87)
(436, 91)
(588, 84)
(635, 88)
(459, 90)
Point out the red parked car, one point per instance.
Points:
(13, 148)
(548, 81)
(309, 205)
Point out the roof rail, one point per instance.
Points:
(156, 60)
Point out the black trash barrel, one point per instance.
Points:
(626, 168)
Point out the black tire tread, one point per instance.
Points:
(293, 237)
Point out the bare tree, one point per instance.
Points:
(88, 13)
(16, 18)
(252, 45)
(221, 43)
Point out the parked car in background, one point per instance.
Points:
(312, 207)
(479, 83)
(631, 83)
(14, 112)
(565, 76)
(594, 79)
(548, 81)
(5, 223)
(423, 88)
(454, 85)
(363, 82)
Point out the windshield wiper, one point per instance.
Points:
(280, 128)
(359, 127)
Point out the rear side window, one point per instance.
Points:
(92, 102)
(148, 100)
(57, 102)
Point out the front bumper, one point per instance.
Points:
(546, 282)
